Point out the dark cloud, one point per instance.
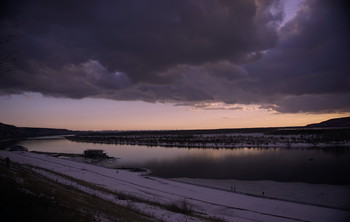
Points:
(314, 103)
(74, 81)
(182, 52)
(310, 64)
(141, 38)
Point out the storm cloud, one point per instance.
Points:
(309, 66)
(182, 52)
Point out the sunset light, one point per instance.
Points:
(175, 110)
(180, 65)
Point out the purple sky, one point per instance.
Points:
(174, 64)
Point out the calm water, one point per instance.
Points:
(326, 165)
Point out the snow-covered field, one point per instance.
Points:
(335, 196)
(204, 201)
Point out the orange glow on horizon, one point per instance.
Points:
(33, 110)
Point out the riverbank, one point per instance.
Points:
(29, 196)
(287, 138)
(332, 196)
(170, 200)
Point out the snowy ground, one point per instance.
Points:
(334, 196)
(203, 201)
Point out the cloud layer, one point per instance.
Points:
(183, 52)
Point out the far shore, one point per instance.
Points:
(292, 138)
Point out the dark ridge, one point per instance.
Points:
(10, 132)
(337, 122)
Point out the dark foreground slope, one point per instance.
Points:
(28, 196)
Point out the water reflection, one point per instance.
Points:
(326, 165)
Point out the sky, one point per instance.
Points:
(155, 64)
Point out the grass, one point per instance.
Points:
(48, 200)
(25, 196)
(182, 207)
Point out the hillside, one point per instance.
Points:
(168, 200)
(337, 122)
(12, 132)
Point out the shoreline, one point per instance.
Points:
(318, 194)
(280, 139)
(169, 200)
(214, 146)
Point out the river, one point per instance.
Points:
(311, 165)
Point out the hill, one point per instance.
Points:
(8, 132)
(337, 122)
